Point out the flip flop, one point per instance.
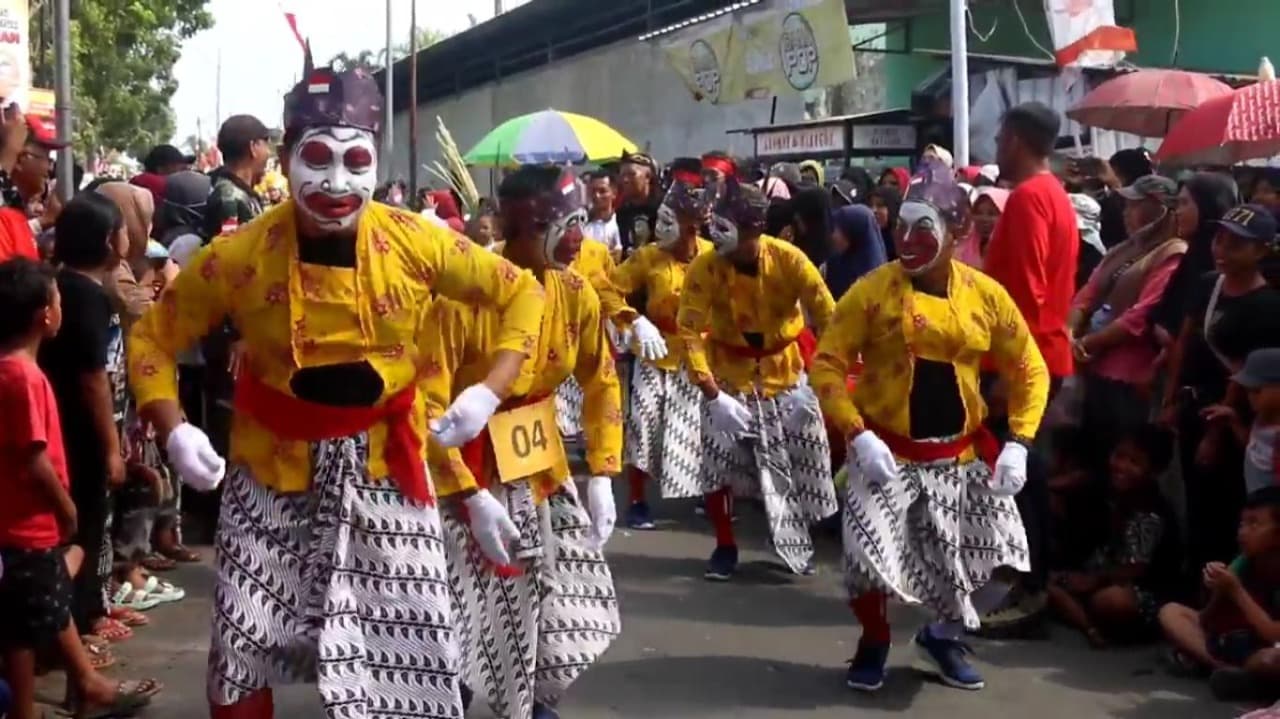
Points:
(129, 617)
(182, 554)
(100, 657)
(131, 695)
(111, 630)
(156, 562)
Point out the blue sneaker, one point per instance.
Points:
(867, 668)
(723, 563)
(542, 711)
(638, 516)
(948, 657)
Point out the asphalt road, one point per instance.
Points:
(767, 646)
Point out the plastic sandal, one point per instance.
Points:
(130, 696)
(156, 562)
(182, 554)
(111, 630)
(100, 657)
(129, 617)
(162, 592)
(138, 600)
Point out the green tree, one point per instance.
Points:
(371, 60)
(123, 53)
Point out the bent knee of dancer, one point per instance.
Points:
(257, 704)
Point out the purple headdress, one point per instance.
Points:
(934, 184)
(326, 97)
(742, 204)
(685, 195)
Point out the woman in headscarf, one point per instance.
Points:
(811, 172)
(1202, 201)
(129, 290)
(812, 223)
(988, 205)
(885, 202)
(856, 248)
(895, 177)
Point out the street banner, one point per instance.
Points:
(780, 47)
(42, 105)
(15, 52)
(1085, 33)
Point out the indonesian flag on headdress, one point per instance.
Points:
(1085, 33)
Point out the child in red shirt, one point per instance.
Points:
(37, 515)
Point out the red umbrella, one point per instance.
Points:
(1146, 102)
(1225, 130)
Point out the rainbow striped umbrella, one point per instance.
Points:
(549, 136)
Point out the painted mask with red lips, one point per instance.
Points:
(333, 171)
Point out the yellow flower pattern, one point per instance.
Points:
(724, 303)
(661, 275)
(293, 315)
(889, 325)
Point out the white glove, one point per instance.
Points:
(728, 415)
(193, 457)
(800, 405)
(466, 417)
(873, 458)
(648, 339)
(491, 526)
(603, 510)
(1011, 470)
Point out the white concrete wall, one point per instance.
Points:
(627, 85)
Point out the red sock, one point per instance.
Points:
(871, 609)
(637, 480)
(721, 516)
(257, 705)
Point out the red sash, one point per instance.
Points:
(982, 440)
(290, 418)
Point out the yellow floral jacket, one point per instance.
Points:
(293, 315)
(725, 304)
(571, 341)
(657, 271)
(889, 324)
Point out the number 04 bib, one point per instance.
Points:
(527, 442)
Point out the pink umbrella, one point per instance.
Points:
(1225, 130)
(1146, 102)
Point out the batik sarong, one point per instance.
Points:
(664, 430)
(527, 638)
(784, 463)
(931, 537)
(345, 585)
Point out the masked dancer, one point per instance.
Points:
(742, 308)
(330, 554)
(664, 427)
(926, 520)
(536, 598)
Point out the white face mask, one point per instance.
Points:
(332, 173)
(724, 235)
(919, 219)
(667, 228)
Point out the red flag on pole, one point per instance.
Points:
(292, 19)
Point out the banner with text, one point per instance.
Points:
(15, 53)
(1085, 33)
(779, 48)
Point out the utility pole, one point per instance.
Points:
(217, 96)
(62, 96)
(497, 8)
(388, 117)
(960, 82)
(413, 99)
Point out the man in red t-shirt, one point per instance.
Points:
(1034, 249)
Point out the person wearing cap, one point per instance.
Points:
(639, 195)
(328, 292)
(1228, 314)
(918, 446)
(742, 311)
(245, 145)
(516, 603)
(25, 187)
(160, 162)
(1260, 379)
(664, 427)
(1109, 320)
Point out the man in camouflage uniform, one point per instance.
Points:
(245, 145)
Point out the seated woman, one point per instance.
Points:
(1118, 589)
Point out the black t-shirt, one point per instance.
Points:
(90, 340)
(635, 225)
(1238, 326)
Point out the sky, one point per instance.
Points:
(261, 60)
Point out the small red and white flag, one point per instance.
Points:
(1085, 33)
